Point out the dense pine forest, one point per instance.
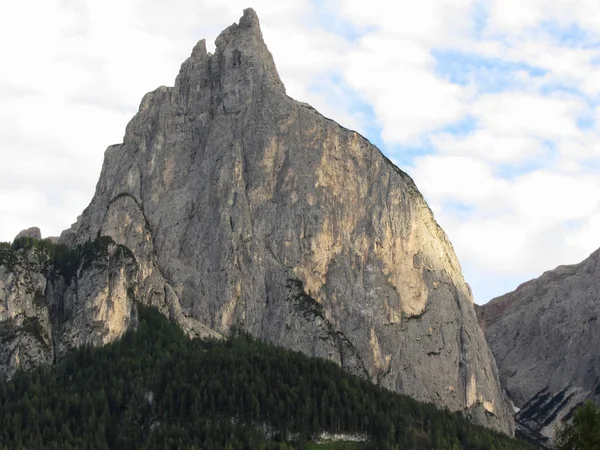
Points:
(157, 389)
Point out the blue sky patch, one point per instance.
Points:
(571, 35)
(489, 75)
(480, 18)
(459, 210)
(560, 88)
(461, 127)
(586, 122)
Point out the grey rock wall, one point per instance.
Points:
(545, 337)
(44, 313)
(25, 327)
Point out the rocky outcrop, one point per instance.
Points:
(33, 233)
(54, 299)
(25, 328)
(97, 306)
(545, 337)
(246, 208)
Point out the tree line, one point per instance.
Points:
(157, 389)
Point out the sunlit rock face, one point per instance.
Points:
(25, 329)
(97, 306)
(44, 313)
(245, 208)
(545, 337)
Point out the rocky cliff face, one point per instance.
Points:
(545, 337)
(243, 207)
(25, 328)
(50, 303)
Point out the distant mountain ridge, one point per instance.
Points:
(544, 336)
(241, 207)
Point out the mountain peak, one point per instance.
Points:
(199, 50)
(249, 19)
(241, 70)
(248, 24)
(243, 46)
(243, 208)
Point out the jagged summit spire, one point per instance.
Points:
(245, 41)
(199, 50)
(250, 18)
(248, 24)
(241, 70)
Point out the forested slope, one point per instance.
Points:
(156, 388)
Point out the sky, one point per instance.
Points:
(492, 106)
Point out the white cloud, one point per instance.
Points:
(575, 66)
(396, 77)
(490, 146)
(521, 114)
(427, 21)
(515, 17)
(547, 197)
(586, 236)
(462, 180)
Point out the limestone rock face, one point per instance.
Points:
(244, 207)
(44, 312)
(545, 337)
(25, 328)
(97, 306)
(33, 232)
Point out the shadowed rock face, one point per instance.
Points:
(243, 207)
(545, 337)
